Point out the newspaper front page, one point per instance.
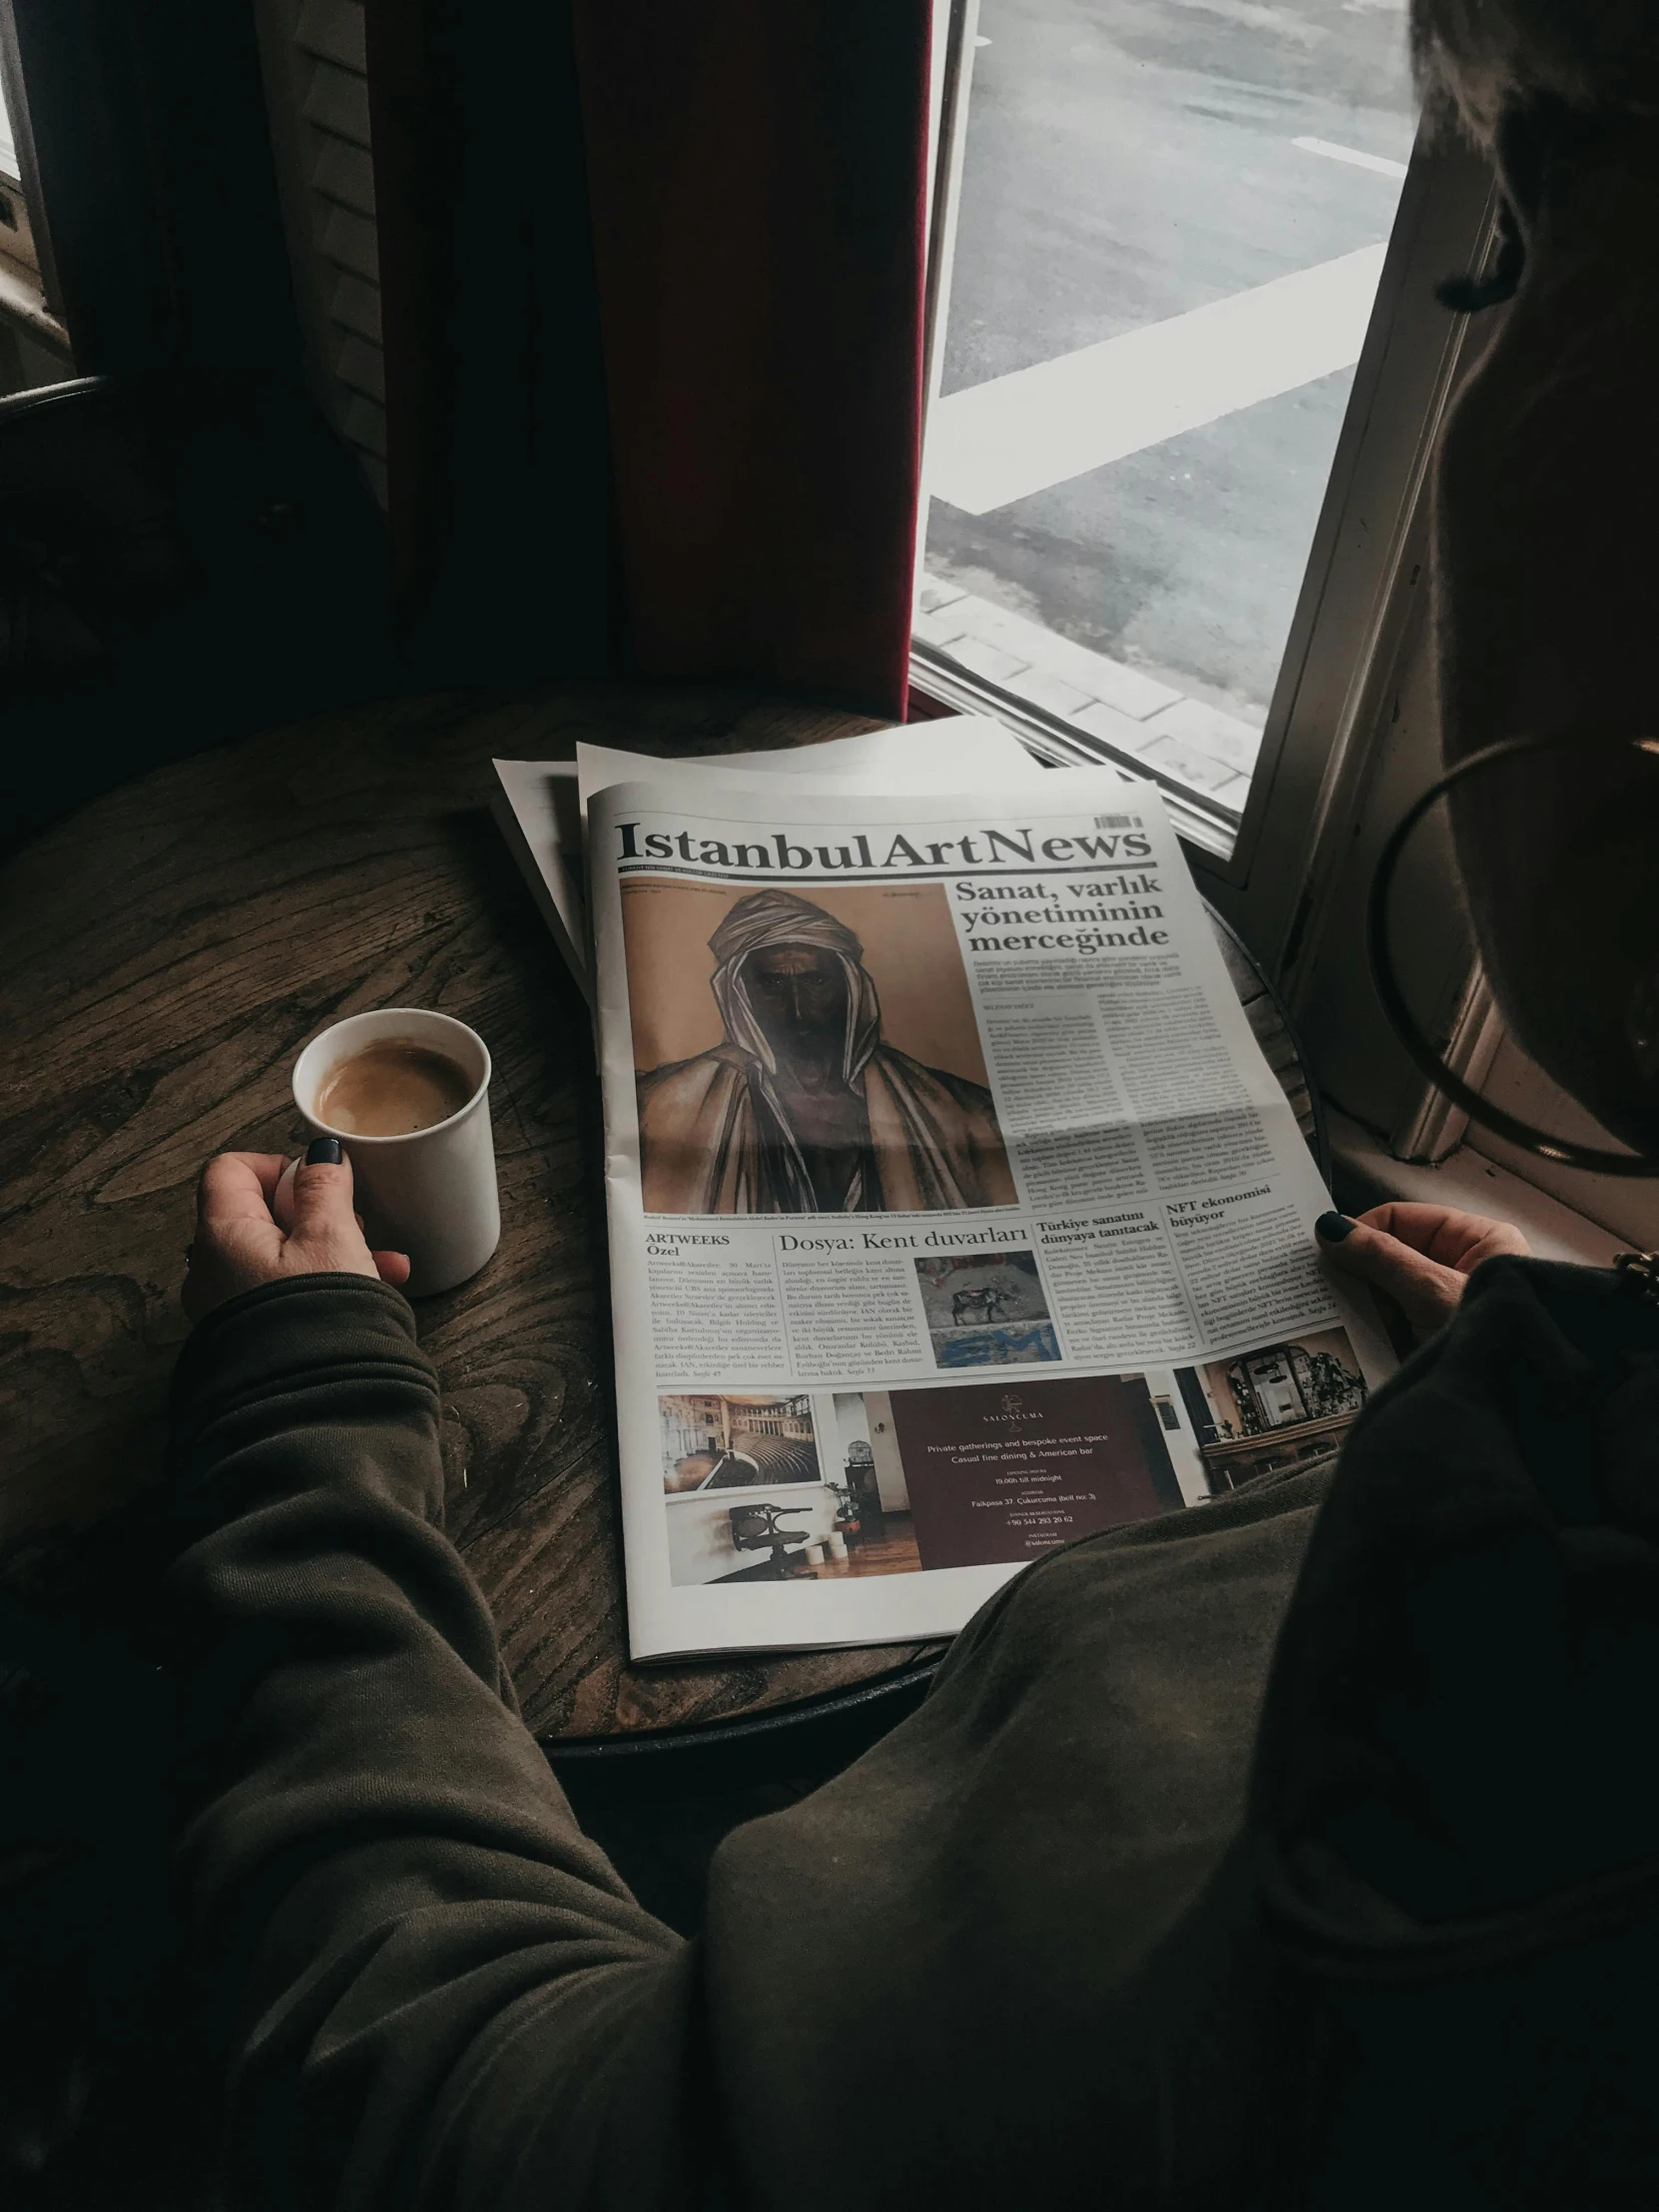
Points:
(954, 1213)
(541, 807)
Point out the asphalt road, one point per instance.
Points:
(1129, 159)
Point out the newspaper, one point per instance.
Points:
(954, 1213)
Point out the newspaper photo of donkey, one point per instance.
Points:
(986, 1310)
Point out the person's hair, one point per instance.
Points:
(1476, 59)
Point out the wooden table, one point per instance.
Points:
(167, 952)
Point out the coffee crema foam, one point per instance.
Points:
(391, 1089)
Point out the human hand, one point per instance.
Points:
(240, 1242)
(1421, 1256)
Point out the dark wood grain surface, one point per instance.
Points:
(166, 953)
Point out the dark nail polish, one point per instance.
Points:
(1332, 1228)
(322, 1152)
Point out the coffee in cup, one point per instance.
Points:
(406, 1091)
(392, 1088)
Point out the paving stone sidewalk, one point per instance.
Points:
(1208, 751)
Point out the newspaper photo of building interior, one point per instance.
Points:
(767, 1486)
(716, 1442)
(1269, 1410)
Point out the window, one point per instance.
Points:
(8, 143)
(34, 346)
(1166, 227)
(16, 237)
(1169, 229)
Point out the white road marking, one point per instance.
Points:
(1020, 433)
(1351, 154)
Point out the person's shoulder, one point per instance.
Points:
(692, 1075)
(971, 1096)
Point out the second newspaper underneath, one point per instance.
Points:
(954, 1212)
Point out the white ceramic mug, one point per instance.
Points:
(431, 1193)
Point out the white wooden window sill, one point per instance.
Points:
(1365, 1175)
(23, 304)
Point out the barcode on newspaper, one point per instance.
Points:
(1117, 821)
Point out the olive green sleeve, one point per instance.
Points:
(434, 1991)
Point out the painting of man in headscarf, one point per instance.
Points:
(803, 1106)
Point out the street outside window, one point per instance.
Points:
(1171, 224)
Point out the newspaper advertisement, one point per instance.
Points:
(954, 1212)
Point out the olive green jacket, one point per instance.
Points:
(1072, 1938)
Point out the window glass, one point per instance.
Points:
(1171, 225)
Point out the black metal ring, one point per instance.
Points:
(1401, 1018)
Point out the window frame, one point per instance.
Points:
(1360, 599)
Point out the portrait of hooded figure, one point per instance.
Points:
(802, 1107)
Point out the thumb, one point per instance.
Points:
(1428, 1293)
(323, 1196)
